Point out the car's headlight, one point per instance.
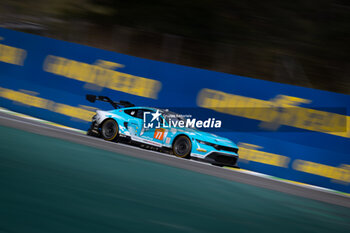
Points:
(205, 143)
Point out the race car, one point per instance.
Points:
(153, 128)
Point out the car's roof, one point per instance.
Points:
(148, 108)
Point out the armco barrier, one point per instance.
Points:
(291, 132)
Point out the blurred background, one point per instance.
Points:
(53, 185)
(305, 43)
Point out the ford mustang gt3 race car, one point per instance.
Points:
(134, 125)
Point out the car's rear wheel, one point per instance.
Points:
(109, 130)
(182, 147)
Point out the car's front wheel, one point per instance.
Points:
(109, 130)
(182, 147)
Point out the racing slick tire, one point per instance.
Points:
(109, 130)
(182, 147)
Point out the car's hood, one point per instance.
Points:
(208, 137)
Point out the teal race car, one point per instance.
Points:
(161, 130)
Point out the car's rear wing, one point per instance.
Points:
(116, 105)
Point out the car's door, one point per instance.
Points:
(134, 124)
(156, 135)
(146, 135)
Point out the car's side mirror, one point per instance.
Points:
(91, 98)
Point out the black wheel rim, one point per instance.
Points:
(182, 147)
(109, 129)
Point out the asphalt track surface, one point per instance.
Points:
(56, 180)
(52, 131)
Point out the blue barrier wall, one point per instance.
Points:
(291, 132)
